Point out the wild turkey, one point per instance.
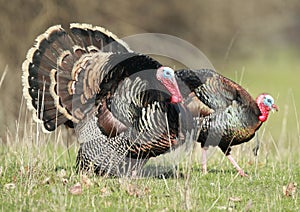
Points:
(226, 112)
(125, 106)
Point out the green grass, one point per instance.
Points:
(38, 182)
(38, 172)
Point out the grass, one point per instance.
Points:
(37, 171)
(36, 178)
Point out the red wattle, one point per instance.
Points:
(264, 113)
(263, 118)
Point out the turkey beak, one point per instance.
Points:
(274, 108)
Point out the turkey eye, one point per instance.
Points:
(168, 73)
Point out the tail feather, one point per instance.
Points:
(97, 38)
(47, 70)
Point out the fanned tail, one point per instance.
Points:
(48, 71)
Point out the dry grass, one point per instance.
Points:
(37, 173)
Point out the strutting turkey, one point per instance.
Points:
(226, 112)
(90, 79)
(124, 106)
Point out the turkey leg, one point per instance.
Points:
(230, 158)
(238, 168)
(204, 167)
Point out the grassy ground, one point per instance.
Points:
(37, 171)
(42, 177)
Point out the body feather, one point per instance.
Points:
(227, 114)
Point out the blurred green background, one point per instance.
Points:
(255, 43)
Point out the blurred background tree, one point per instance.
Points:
(226, 31)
